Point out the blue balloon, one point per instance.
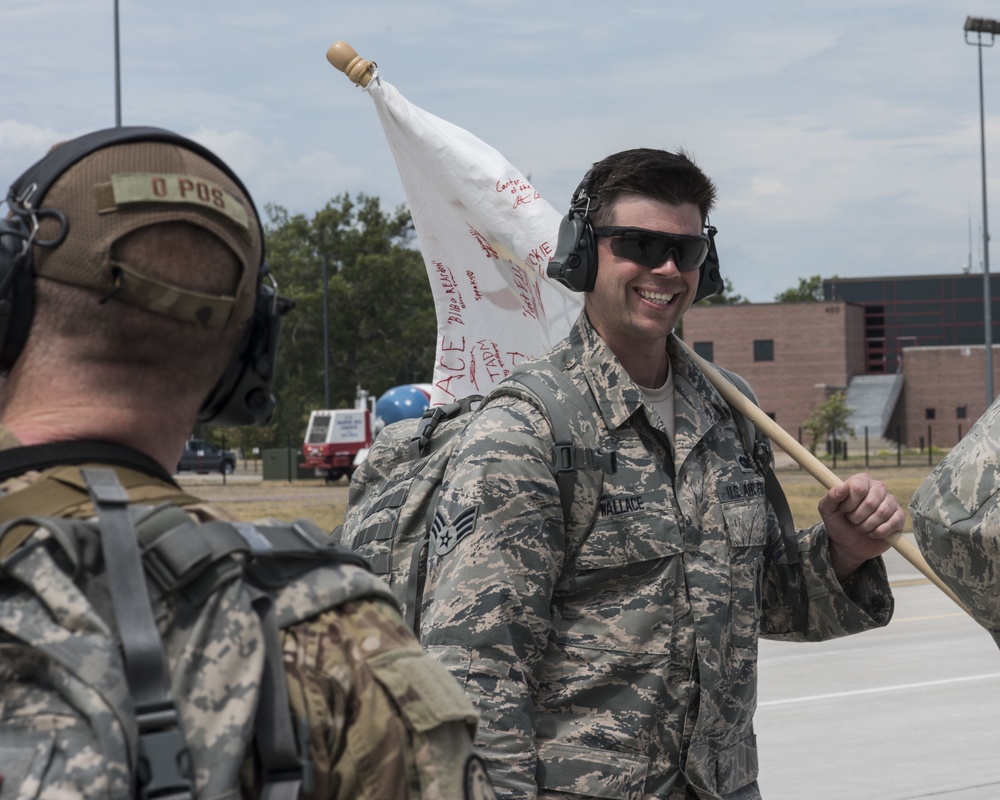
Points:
(402, 402)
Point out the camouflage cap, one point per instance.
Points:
(126, 186)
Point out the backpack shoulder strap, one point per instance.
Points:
(759, 449)
(538, 386)
(163, 750)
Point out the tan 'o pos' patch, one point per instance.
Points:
(148, 187)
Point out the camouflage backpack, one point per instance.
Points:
(956, 519)
(94, 702)
(393, 495)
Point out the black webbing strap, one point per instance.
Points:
(433, 417)
(776, 496)
(415, 581)
(282, 770)
(567, 457)
(164, 763)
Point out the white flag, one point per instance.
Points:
(486, 236)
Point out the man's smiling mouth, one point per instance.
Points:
(660, 298)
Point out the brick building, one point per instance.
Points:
(906, 350)
(789, 352)
(944, 392)
(793, 354)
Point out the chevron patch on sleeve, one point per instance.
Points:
(447, 535)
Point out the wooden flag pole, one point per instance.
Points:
(810, 464)
(346, 59)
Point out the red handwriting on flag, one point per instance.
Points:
(522, 191)
(457, 361)
(456, 305)
(484, 243)
(539, 257)
(528, 291)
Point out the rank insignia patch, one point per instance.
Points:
(446, 535)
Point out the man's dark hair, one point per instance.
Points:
(670, 177)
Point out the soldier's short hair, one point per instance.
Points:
(661, 175)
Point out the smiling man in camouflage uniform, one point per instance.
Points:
(617, 658)
(148, 297)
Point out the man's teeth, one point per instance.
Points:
(655, 297)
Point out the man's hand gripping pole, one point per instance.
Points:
(811, 464)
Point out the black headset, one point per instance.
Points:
(574, 264)
(243, 394)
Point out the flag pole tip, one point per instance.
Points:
(346, 59)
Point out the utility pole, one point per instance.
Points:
(118, 74)
(980, 26)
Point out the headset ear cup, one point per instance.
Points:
(574, 264)
(17, 291)
(710, 275)
(243, 394)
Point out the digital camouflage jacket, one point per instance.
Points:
(618, 659)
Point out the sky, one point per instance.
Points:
(844, 137)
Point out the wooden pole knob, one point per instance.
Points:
(346, 59)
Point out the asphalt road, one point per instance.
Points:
(909, 711)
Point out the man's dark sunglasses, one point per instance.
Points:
(652, 248)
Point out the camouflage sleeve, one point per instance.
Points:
(804, 601)
(497, 552)
(956, 520)
(385, 721)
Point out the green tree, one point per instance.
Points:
(381, 321)
(829, 419)
(809, 290)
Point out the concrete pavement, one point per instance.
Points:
(910, 711)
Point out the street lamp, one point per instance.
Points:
(325, 265)
(326, 331)
(118, 74)
(980, 26)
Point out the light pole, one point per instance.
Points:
(326, 331)
(980, 26)
(325, 266)
(118, 74)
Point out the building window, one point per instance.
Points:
(962, 412)
(705, 349)
(930, 413)
(763, 349)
